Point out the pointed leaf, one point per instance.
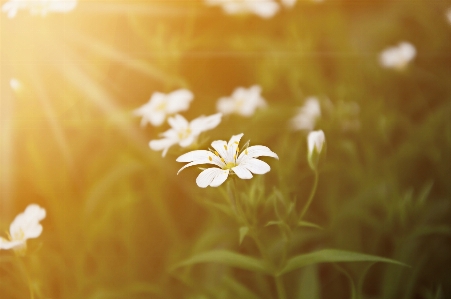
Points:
(309, 224)
(226, 257)
(243, 232)
(332, 256)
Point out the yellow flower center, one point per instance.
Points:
(184, 133)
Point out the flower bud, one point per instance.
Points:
(316, 144)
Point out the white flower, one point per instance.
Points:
(288, 3)
(398, 57)
(307, 115)
(315, 144)
(183, 132)
(228, 158)
(161, 105)
(243, 101)
(38, 7)
(263, 8)
(15, 84)
(25, 226)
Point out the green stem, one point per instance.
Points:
(312, 194)
(23, 269)
(280, 288)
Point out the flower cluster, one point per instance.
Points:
(38, 7)
(244, 101)
(398, 57)
(263, 8)
(25, 226)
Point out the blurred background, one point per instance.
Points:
(118, 216)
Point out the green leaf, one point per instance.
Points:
(243, 232)
(226, 257)
(309, 224)
(239, 289)
(332, 256)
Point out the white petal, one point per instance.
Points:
(178, 122)
(179, 100)
(221, 147)
(5, 244)
(315, 139)
(188, 140)
(232, 147)
(225, 105)
(162, 144)
(156, 118)
(26, 225)
(207, 176)
(242, 172)
(204, 123)
(256, 151)
(256, 166)
(265, 9)
(220, 178)
(194, 155)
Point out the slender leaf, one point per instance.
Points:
(243, 232)
(226, 257)
(309, 224)
(332, 256)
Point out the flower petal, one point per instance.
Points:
(162, 144)
(199, 157)
(225, 105)
(26, 225)
(256, 151)
(221, 147)
(179, 100)
(232, 147)
(242, 172)
(209, 175)
(194, 155)
(220, 178)
(256, 166)
(204, 123)
(6, 244)
(178, 122)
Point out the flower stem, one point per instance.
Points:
(312, 194)
(23, 269)
(280, 288)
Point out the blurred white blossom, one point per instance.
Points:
(162, 105)
(307, 115)
(244, 101)
(397, 57)
(448, 15)
(38, 7)
(183, 132)
(263, 8)
(227, 158)
(315, 144)
(25, 226)
(15, 84)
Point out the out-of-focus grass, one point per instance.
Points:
(118, 216)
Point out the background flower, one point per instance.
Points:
(183, 132)
(262, 8)
(25, 226)
(398, 57)
(307, 115)
(161, 105)
(41, 7)
(244, 101)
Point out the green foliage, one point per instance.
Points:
(122, 224)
